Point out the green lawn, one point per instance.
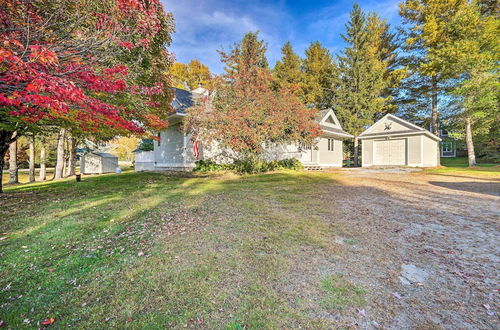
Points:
(459, 165)
(146, 250)
(463, 162)
(23, 175)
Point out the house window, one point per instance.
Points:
(159, 139)
(331, 144)
(447, 146)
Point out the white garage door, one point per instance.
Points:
(390, 152)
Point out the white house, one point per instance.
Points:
(175, 150)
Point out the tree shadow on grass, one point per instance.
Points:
(487, 188)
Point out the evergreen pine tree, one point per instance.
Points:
(288, 71)
(361, 89)
(425, 21)
(245, 55)
(319, 72)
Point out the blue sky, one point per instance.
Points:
(203, 26)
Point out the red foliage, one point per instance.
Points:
(245, 113)
(59, 71)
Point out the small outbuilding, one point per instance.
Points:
(392, 141)
(98, 163)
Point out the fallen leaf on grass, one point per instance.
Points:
(395, 294)
(487, 306)
(48, 321)
(361, 312)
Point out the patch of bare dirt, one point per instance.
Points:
(427, 247)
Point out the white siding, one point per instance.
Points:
(330, 158)
(168, 152)
(144, 161)
(430, 152)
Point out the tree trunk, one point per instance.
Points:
(72, 156)
(470, 143)
(43, 165)
(435, 115)
(58, 173)
(3, 152)
(32, 158)
(6, 139)
(356, 152)
(13, 169)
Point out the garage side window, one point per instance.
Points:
(159, 139)
(331, 144)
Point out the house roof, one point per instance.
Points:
(321, 114)
(333, 127)
(407, 128)
(334, 131)
(182, 100)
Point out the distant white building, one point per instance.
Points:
(98, 163)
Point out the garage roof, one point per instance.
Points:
(391, 125)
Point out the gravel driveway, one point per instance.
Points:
(426, 246)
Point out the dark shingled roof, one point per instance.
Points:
(182, 100)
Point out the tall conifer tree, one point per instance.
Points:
(362, 89)
(288, 71)
(424, 34)
(319, 72)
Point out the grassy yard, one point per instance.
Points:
(463, 162)
(277, 250)
(459, 165)
(145, 250)
(23, 175)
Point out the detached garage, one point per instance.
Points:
(393, 141)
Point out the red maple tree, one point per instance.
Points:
(245, 113)
(96, 66)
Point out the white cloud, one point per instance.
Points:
(204, 26)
